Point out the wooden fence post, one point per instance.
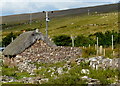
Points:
(104, 52)
(100, 50)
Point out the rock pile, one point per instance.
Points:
(42, 52)
(25, 66)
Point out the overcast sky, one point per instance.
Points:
(11, 7)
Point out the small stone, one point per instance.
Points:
(85, 71)
(60, 70)
(84, 77)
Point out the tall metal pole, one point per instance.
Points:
(47, 20)
(30, 18)
(46, 30)
(47, 24)
(112, 43)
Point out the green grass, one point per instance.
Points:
(13, 72)
(74, 25)
(47, 66)
(102, 75)
(9, 71)
(57, 64)
(73, 77)
(92, 52)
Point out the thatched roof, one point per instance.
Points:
(24, 41)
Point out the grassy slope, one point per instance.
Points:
(75, 25)
(74, 29)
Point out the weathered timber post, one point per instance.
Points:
(100, 51)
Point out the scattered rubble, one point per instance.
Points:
(6, 79)
(25, 64)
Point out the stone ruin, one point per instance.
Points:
(35, 47)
